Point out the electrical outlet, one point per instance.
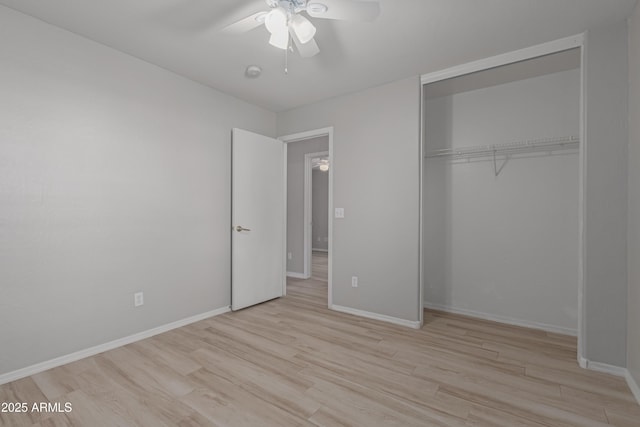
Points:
(138, 299)
(289, 255)
(354, 282)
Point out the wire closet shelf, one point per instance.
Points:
(543, 144)
(529, 146)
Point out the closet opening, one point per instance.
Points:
(501, 193)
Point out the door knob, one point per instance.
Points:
(241, 228)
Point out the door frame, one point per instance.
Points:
(308, 208)
(301, 136)
(567, 43)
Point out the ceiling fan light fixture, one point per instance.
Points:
(303, 28)
(276, 20)
(324, 167)
(317, 8)
(280, 40)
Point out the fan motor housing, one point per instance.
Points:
(294, 6)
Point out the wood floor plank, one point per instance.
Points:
(293, 362)
(320, 265)
(361, 405)
(109, 391)
(22, 391)
(55, 421)
(612, 401)
(622, 419)
(483, 416)
(281, 391)
(226, 403)
(521, 407)
(515, 393)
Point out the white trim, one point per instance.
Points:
(306, 135)
(296, 275)
(606, 368)
(330, 231)
(582, 157)
(319, 250)
(284, 218)
(92, 351)
(307, 200)
(582, 362)
(375, 316)
(502, 319)
(308, 207)
(422, 165)
(505, 58)
(633, 385)
(328, 131)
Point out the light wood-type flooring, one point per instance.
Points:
(319, 266)
(292, 362)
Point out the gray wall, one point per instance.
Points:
(379, 128)
(505, 247)
(605, 209)
(633, 302)
(320, 208)
(295, 198)
(114, 178)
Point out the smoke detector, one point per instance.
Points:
(253, 72)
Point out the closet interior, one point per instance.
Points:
(501, 193)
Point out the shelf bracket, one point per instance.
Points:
(497, 170)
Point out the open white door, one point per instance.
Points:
(258, 219)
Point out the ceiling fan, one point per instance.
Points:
(285, 20)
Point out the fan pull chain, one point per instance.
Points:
(286, 51)
(286, 56)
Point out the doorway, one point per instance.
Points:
(317, 167)
(309, 170)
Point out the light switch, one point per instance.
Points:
(339, 212)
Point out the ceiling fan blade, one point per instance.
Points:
(204, 15)
(351, 10)
(306, 50)
(243, 25)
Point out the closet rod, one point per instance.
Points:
(544, 144)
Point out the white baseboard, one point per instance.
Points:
(92, 351)
(502, 319)
(583, 363)
(606, 368)
(633, 385)
(613, 370)
(376, 316)
(296, 275)
(319, 250)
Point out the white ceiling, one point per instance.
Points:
(411, 37)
